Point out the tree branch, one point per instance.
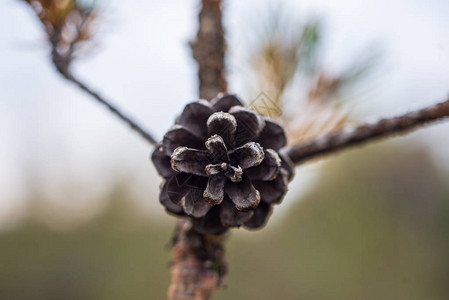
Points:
(209, 50)
(77, 18)
(65, 72)
(199, 268)
(384, 128)
(198, 265)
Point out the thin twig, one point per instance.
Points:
(77, 17)
(350, 137)
(65, 72)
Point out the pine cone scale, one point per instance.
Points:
(243, 194)
(214, 192)
(179, 136)
(195, 117)
(190, 161)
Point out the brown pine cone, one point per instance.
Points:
(221, 165)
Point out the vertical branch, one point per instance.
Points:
(209, 50)
(198, 266)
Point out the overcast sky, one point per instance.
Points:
(51, 130)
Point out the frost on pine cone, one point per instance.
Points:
(221, 165)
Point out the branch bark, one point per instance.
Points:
(198, 265)
(209, 50)
(354, 136)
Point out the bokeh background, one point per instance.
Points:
(79, 215)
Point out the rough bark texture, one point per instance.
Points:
(209, 50)
(368, 132)
(198, 266)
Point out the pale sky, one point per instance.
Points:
(51, 130)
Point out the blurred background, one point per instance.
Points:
(79, 215)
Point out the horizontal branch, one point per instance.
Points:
(63, 69)
(354, 136)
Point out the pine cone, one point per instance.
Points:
(221, 165)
